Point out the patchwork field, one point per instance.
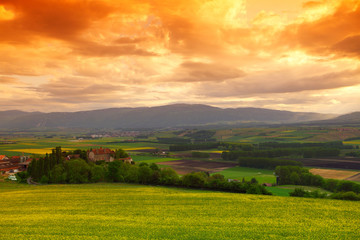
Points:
(42, 145)
(340, 163)
(334, 174)
(121, 211)
(188, 166)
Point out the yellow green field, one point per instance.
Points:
(122, 211)
(37, 151)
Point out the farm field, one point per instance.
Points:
(261, 175)
(121, 211)
(152, 159)
(334, 174)
(339, 163)
(188, 165)
(44, 145)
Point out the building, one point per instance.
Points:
(101, 154)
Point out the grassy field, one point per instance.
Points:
(261, 175)
(121, 211)
(152, 159)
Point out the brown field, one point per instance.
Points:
(354, 178)
(342, 163)
(334, 174)
(188, 166)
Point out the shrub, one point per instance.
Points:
(44, 180)
(196, 179)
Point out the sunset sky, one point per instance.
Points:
(74, 55)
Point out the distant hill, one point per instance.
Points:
(347, 119)
(178, 115)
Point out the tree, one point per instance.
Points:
(294, 178)
(168, 176)
(77, 171)
(97, 173)
(196, 179)
(120, 153)
(132, 174)
(114, 171)
(145, 174)
(58, 174)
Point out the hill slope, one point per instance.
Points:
(152, 117)
(129, 211)
(347, 119)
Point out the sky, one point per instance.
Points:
(75, 55)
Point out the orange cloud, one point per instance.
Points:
(140, 52)
(326, 35)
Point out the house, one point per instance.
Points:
(3, 158)
(9, 170)
(127, 160)
(24, 165)
(102, 154)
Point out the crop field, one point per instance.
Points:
(121, 211)
(261, 175)
(188, 166)
(152, 159)
(340, 163)
(355, 178)
(41, 145)
(353, 142)
(334, 174)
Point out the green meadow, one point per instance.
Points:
(123, 211)
(261, 175)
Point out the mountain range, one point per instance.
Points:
(169, 116)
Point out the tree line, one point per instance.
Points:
(313, 152)
(266, 163)
(295, 175)
(54, 168)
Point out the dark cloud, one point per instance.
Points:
(280, 82)
(78, 88)
(349, 46)
(8, 80)
(97, 50)
(203, 72)
(51, 18)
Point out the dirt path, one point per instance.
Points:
(31, 182)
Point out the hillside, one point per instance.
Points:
(152, 117)
(347, 119)
(128, 211)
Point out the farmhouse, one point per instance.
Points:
(102, 154)
(14, 164)
(126, 160)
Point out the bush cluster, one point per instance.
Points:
(301, 176)
(282, 152)
(267, 163)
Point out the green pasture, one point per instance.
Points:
(122, 211)
(306, 188)
(261, 175)
(152, 159)
(277, 191)
(284, 190)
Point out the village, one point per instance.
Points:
(9, 166)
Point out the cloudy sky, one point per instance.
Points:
(74, 55)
